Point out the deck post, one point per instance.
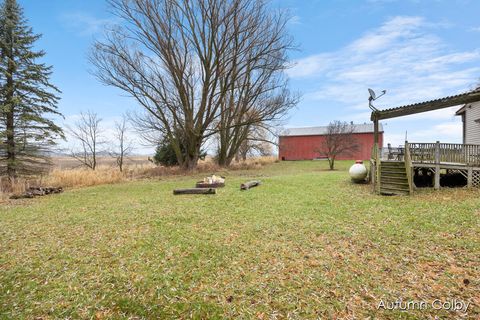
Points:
(470, 177)
(408, 167)
(378, 167)
(375, 130)
(437, 166)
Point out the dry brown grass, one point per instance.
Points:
(207, 166)
(8, 187)
(64, 174)
(64, 163)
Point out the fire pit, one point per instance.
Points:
(211, 182)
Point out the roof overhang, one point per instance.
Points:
(461, 110)
(464, 98)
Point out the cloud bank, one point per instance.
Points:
(405, 57)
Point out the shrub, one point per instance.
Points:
(165, 155)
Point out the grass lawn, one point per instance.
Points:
(306, 244)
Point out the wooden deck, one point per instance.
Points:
(436, 157)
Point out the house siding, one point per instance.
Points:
(472, 128)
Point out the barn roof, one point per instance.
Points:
(316, 131)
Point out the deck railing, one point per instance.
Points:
(465, 154)
(452, 153)
(435, 156)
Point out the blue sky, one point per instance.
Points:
(416, 50)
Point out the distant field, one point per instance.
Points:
(306, 244)
(70, 163)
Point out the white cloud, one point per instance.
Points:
(387, 35)
(400, 56)
(295, 20)
(403, 56)
(85, 24)
(309, 66)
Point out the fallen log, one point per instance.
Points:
(250, 184)
(195, 191)
(37, 192)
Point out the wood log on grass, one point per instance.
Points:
(195, 191)
(250, 184)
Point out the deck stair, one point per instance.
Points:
(393, 178)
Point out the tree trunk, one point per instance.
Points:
(94, 156)
(120, 163)
(228, 161)
(222, 159)
(10, 125)
(190, 159)
(190, 163)
(11, 155)
(228, 153)
(331, 163)
(225, 160)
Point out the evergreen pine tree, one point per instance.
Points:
(26, 98)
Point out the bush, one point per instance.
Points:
(165, 155)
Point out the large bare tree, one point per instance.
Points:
(257, 95)
(197, 67)
(338, 140)
(87, 132)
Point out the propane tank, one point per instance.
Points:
(358, 172)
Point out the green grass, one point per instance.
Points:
(306, 244)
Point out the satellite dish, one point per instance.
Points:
(374, 97)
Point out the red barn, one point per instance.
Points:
(304, 143)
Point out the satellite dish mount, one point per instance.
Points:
(373, 97)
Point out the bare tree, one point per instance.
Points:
(87, 133)
(339, 139)
(257, 94)
(189, 62)
(256, 143)
(123, 144)
(242, 123)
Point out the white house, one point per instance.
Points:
(471, 122)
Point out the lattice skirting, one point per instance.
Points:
(476, 178)
(475, 182)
